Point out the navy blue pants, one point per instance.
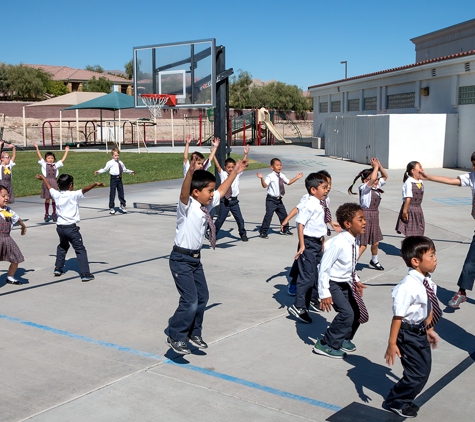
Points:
(226, 205)
(307, 271)
(69, 235)
(416, 360)
(116, 184)
(344, 325)
(191, 284)
(467, 275)
(273, 205)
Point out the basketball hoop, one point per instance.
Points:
(155, 102)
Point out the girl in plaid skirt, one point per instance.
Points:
(410, 221)
(370, 197)
(9, 250)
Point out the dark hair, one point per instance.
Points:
(325, 173)
(50, 154)
(272, 162)
(409, 168)
(230, 160)
(364, 174)
(64, 181)
(347, 212)
(201, 179)
(314, 180)
(472, 158)
(198, 154)
(2, 188)
(415, 247)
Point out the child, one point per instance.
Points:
(50, 170)
(411, 218)
(7, 164)
(311, 229)
(274, 183)
(202, 163)
(416, 311)
(197, 198)
(467, 275)
(230, 201)
(68, 216)
(370, 197)
(9, 250)
(116, 168)
(339, 285)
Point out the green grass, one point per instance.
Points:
(149, 167)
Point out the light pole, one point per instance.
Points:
(346, 68)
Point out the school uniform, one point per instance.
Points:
(9, 250)
(115, 169)
(410, 301)
(312, 217)
(336, 279)
(275, 193)
(187, 270)
(6, 180)
(68, 231)
(230, 203)
(50, 172)
(186, 166)
(415, 225)
(370, 198)
(467, 275)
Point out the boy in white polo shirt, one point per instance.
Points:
(197, 198)
(68, 216)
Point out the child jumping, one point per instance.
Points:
(200, 158)
(197, 198)
(410, 221)
(274, 183)
(339, 285)
(50, 170)
(68, 216)
(9, 250)
(230, 202)
(116, 168)
(370, 198)
(467, 276)
(416, 311)
(7, 163)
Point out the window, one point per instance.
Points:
(467, 95)
(354, 105)
(369, 103)
(406, 100)
(324, 107)
(336, 106)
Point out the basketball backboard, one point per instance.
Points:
(185, 69)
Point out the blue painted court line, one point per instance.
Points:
(190, 367)
(454, 201)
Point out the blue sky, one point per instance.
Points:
(297, 42)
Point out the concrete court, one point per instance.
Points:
(96, 351)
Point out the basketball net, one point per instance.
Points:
(154, 104)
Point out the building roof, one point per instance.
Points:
(396, 69)
(65, 73)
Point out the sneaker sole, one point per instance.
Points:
(348, 350)
(180, 352)
(296, 315)
(323, 353)
(399, 412)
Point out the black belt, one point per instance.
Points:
(275, 197)
(418, 329)
(189, 252)
(320, 239)
(116, 176)
(66, 226)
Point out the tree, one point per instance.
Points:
(56, 88)
(129, 68)
(98, 85)
(95, 68)
(4, 81)
(27, 83)
(239, 90)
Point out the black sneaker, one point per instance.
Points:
(286, 232)
(57, 272)
(178, 346)
(12, 280)
(407, 412)
(301, 314)
(315, 306)
(87, 277)
(263, 236)
(244, 238)
(198, 342)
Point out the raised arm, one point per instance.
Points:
(215, 143)
(86, 189)
(66, 150)
(187, 147)
(455, 181)
(238, 168)
(374, 174)
(384, 175)
(186, 186)
(218, 167)
(247, 148)
(13, 157)
(45, 181)
(292, 181)
(37, 151)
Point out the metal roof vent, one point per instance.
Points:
(467, 67)
(433, 73)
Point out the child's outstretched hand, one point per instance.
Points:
(101, 184)
(133, 173)
(35, 145)
(23, 230)
(39, 176)
(299, 176)
(215, 142)
(188, 139)
(247, 148)
(241, 165)
(194, 165)
(259, 175)
(66, 148)
(96, 173)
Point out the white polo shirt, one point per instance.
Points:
(407, 187)
(312, 216)
(365, 192)
(67, 205)
(272, 182)
(223, 175)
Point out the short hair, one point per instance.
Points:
(347, 212)
(115, 149)
(325, 173)
(314, 180)
(472, 158)
(50, 154)
(273, 161)
(3, 188)
(198, 154)
(230, 161)
(64, 181)
(415, 247)
(201, 179)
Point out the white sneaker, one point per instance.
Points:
(112, 211)
(123, 209)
